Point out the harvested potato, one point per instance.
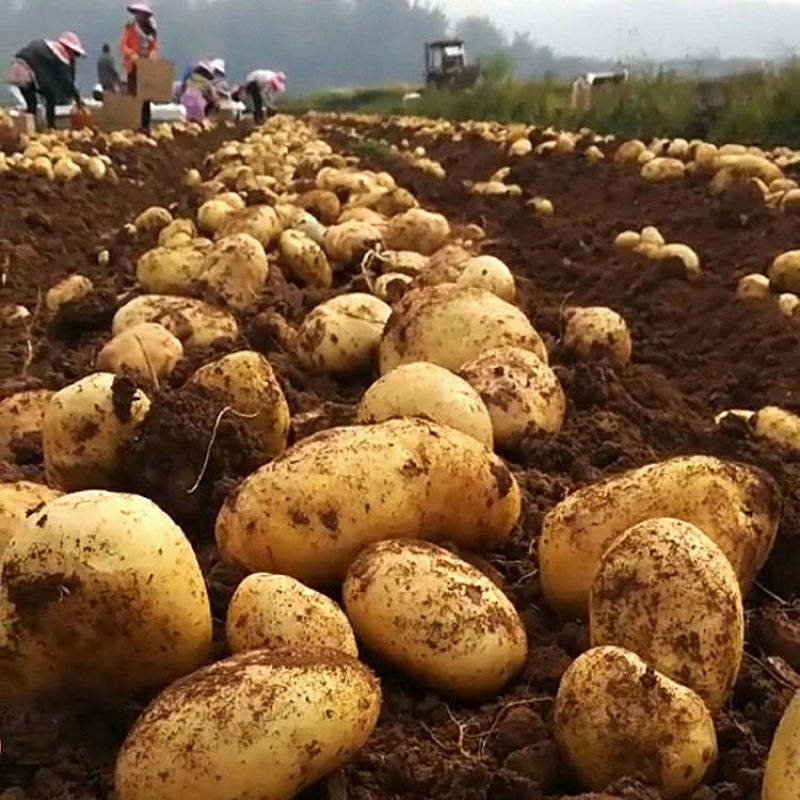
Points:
(521, 148)
(262, 724)
(391, 286)
(232, 199)
(323, 204)
(417, 230)
(341, 336)
(166, 269)
(788, 303)
(237, 268)
(311, 227)
(541, 206)
(627, 240)
(445, 266)
(737, 506)
(437, 618)
(523, 395)
(413, 478)
(662, 584)
(753, 286)
(260, 222)
(250, 387)
(306, 259)
(451, 325)
(349, 242)
(429, 391)
(179, 233)
(598, 333)
(404, 262)
(782, 774)
(274, 611)
(73, 288)
(629, 151)
(18, 501)
(21, 415)
(127, 587)
(490, 273)
(615, 716)
(778, 426)
(651, 235)
(213, 214)
(366, 215)
(147, 352)
(660, 170)
(690, 259)
(153, 219)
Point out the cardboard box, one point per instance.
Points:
(154, 80)
(119, 112)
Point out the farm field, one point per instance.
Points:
(698, 349)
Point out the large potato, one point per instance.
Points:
(148, 352)
(165, 269)
(450, 326)
(21, 415)
(273, 611)
(306, 259)
(17, 502)
(86, 425)
(69, 290)
(523, 395)
(737, 506)
(349, 242)
(262, 724)
(428, 391)
(248, 383)
(784, 272)
(323, 204)
(309, 513)
(666, 592)
(341, 336)
(260, 222)
(101, 595)
(596, 333)
(418, 230)
(435, 617)
(782, 774)
(615, 716)
(237, 268)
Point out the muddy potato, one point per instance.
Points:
(417, 230)
(260, 222)
(754, 286)
(323, 204)
(148, 352)
(130, 593)
(349, 242)
(367, 215)
(778, 426)
(153, 219)
(523, 395)
(429, 391)
(782, 774)
(663, 584)
(341, 336)
(306, 259)
(212, 216)
(75, 287)
(615, 716)
(179, 233)
(247, 381)
(166, 269)
(737, 506)
(490, 273)
(435, 617)
(404, 262)
(21, 415)
(237, 268)
(18, 501)
(597, 333)
(261, 724)
(445, 266)
(273, 611)
(413, 478)
(391, 286)
(451, 325)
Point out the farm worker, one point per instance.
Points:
(220, 84)
(107, 74)
(199, 97)
(139, 40)
(259, 88)
(46, 67)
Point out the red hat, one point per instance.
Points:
(71, 41)
(140, 8)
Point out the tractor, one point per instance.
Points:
(446, 66)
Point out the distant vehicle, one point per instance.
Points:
(446, 65)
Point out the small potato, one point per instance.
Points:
(490, 273)
(237, 268)
(782, 774)
(85, 427)
(166, 269)
(435, 617)
(445, 265)
(788, 304)
(311, 227)
(627, 240)
(232, 199)
(629, 151)
(779, 426)
(341, 336)
(274, 611)
(249, 385)
(212, 216)
(521, 148)
(349, 242)
(306, 259)
(179, 233)
(18, 501)
(260, 222)
(523, 395)
(73, 288)
(660, 170)
(651, 235)
(262, 724)
(21, 415)
(598, 333)
(753, 286)
(417, 230)
(662, 585)
(153, 219)
(541, 206)
(690, 259)
(324, 205)
(429, 391)
(391, 286)
(147, 352)
(615, 716)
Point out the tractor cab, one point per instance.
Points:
(445, 63)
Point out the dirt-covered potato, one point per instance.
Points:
(490, 273)
(366, 215)
(18, 501)
(615, 716)
(413, 479)
(237, 268)
(418, 230)
(169, 269)
(115, 601)
(260, 222)
(782, 774)
(666, 592)
(147, 352)
(435, 617)
(427, 390)
(736, 505)
(213, 214)
(349, 242)
(784, 272)
(597, 333)
(445, 265)
(273, 611)
(247, 381)
(754, 286)
(341, 336)
(21, 415)
(323, 204)
(232, 199)
(179, 233)
(153, 219)
(778, 426)
(85, 427)
(403, 261)
(192, 321)
(261, 724)
(70, 289)
(391, 286)
(306, 259)
(788, 304)
(523, 395)
(451, 325)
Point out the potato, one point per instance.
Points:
(262, 724)
(445, 266)
(274, 611)
(21, 415)
(147, 352)
(627, 240)
(437, 618)
(232, 199)
(391, 286)
(306, 259)
(788, 303)
(192, 321)
(117, 575)
(782, 774)
(753, 165)
(213, 214)
(179, 233)
(417, 230)
(324, 205)
(18, 501)
(660, 170)
(523, 395)
(66, 169)
(73, 288)
(413, 479)
(598, 333)
(520, 148)
(404, 262)
(349, 242)
(690, 259)
(753, 286)
(651, 235)
(629, 151)
(615, 716)
(153, 219)
(311, 227)
(451, 325)
(341, 336)
(429, 391)
(665, 591)
(250, 387)
(737, 506)
(779, 426)
(165, 269)
(541, 206)
(490, 273)
(237, 268)
(366, 215)
(260, 222)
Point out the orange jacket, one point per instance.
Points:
(129, 46)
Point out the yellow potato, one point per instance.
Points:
(148, 352)
(403, 261)
(17, 502)
(754, 286)
(490, 273)
(683, 252)
(153, 219)
(778, 426)
(73, 288)
(629, 151)
(520, 148)
(232, 199)
(413, 479)
(651, 235)
(306, 259)
(349, 242)
(542, 206)
(598, 333)
(660, 170)
(166, 269)
(323, 204)
(237, 268)
(615, 716)
(21, 415)
(788, 303)
(260, 222)
(179, 233)
(213, 215)
(627, 240)
(417, 230)
(444, 266)
(435, 617)
(391, 286)
(782, 774)
(274, 611)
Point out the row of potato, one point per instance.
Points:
(637, 555)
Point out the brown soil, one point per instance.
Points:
(697, 350)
